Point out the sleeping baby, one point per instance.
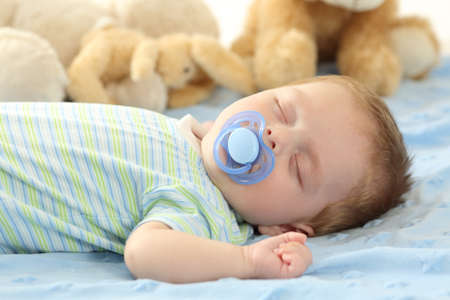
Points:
(180, 199)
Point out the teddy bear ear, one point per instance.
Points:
(223, 66)
(144, 59)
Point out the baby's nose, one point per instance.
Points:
(270, 140)
(280, 139)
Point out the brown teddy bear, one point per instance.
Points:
(284, 39)
(190, 66)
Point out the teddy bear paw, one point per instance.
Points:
(379, 69)
(283, 60)
(416, 46)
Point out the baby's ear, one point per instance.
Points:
(273, 230)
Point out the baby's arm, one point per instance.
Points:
(155, 251)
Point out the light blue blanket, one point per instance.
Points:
(403, 255)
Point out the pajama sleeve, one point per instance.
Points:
(185, 210)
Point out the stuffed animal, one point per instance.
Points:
(157, 18)
(61, 23)
(190, 65)
(64, 23)
(31, 69)
(149, 92)
(284, 39)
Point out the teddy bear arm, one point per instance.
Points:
(95, 56)
(191, 94)
(223, 66)
(87, 88)
(285, 48)
(368, 26)
(144, 59)
(364, 52)
(281, 16)
(377, 66)
(85, 73)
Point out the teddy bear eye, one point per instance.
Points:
(186, 70)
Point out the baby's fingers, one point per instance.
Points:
(293, 236)
(275, 241)
(297, 262)
(287, 258)
(288, 247)
(291, 246)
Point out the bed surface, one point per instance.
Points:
(403, 255)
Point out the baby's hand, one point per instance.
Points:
(282, 256)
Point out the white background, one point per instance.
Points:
(231, 13)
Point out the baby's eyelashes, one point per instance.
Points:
(281, 113)
(297, 168)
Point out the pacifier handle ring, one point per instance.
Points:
(238, 172)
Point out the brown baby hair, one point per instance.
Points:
(387, 176)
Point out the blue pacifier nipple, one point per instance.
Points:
(239, 149)
(243, 146)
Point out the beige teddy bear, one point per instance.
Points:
(284, 39)
(190, 66)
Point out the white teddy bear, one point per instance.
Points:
(62, 23)
(30, 69)
(157, 18)
(39, 39)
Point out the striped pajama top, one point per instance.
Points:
(82, 177)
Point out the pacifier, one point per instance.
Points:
(239, 149)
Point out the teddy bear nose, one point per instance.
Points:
(186, 70)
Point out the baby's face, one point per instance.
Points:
(315, 132)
